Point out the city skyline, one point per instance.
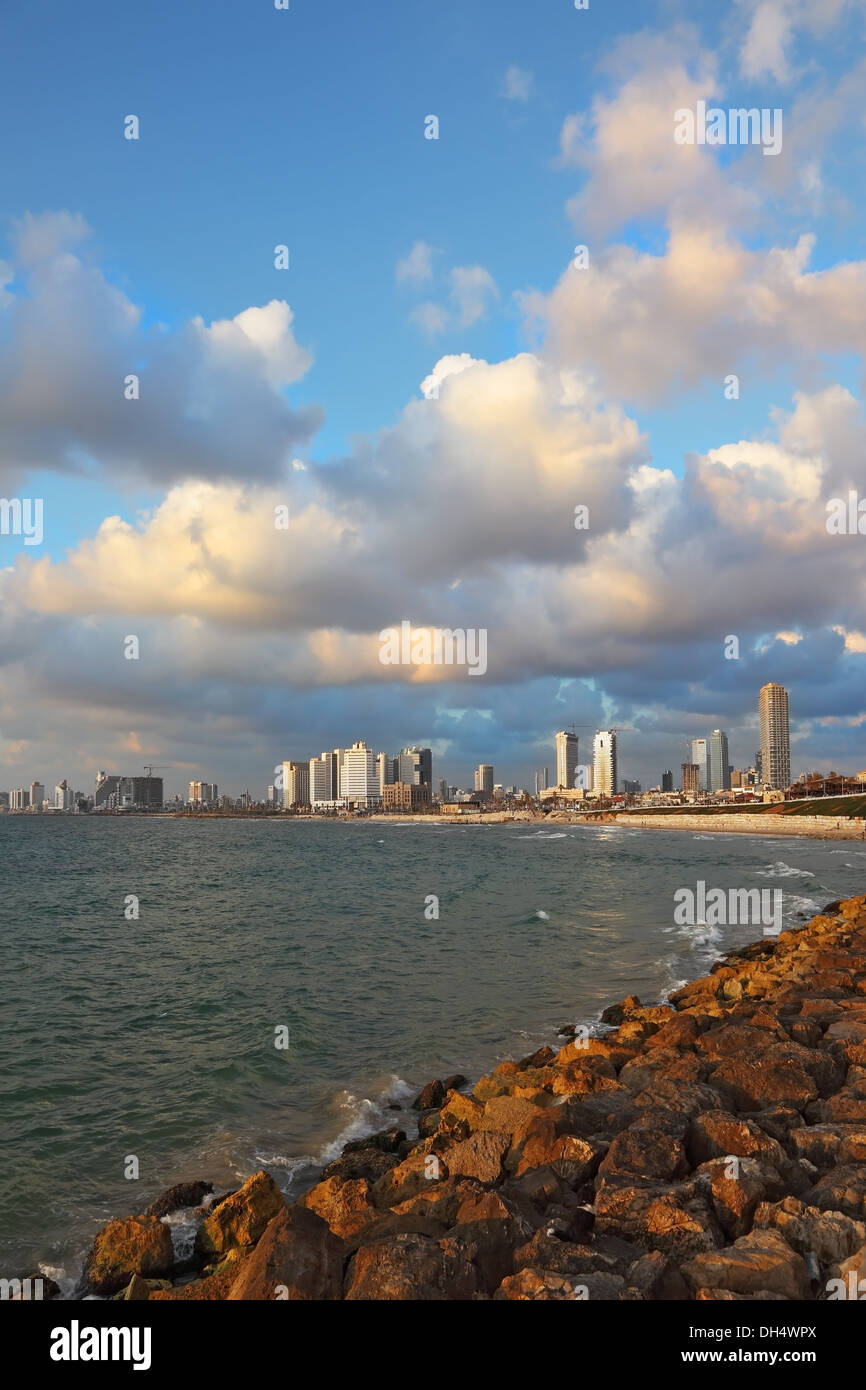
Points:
(320, 778)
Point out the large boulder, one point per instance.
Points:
(643, 1151)
(719, 1134)
(183, 1194)
(842, 1189)
(241, 1219)
(297, 1258)
(762, 1260)
(480, 1156)
(139, 1245)
(347, 1207)
(827, 1235)
(677, 1220)
(411, 1267)
(753, 1085)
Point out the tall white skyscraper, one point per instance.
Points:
(604, 762)
(484, 778)
(701, 756)
(566, 758)
(775, 735)
(360, 778)
(720, 777)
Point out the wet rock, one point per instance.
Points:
(362, 1163)
(297, 1258)
(617, 1013)
(455, 1082)
(183, 1194)
(540, 1058)
(431, 1097)
(387, 1141)
(241, 1219)
(139, 1245)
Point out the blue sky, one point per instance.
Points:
(306, 127)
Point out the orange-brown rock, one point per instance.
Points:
(297, 1258)
(762, 1260)
(347, 1207)
(241, 1218)
(138, 1245)
(412, 1267)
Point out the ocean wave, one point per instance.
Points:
(546, 835)
(782, 870)
(365, 1115)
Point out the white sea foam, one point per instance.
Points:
(782, 870)
(364, 1116)
(543, 916)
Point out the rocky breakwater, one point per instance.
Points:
(710, 1148)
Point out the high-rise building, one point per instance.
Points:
(296, 784)
(415, 765)
(667, 781)
(19, 799)
(701, 756)
(604, 762)
(443, 789)
(775, 736)
(142, 793)
(759, 768)
(388, 771)
(360, 780)
(37, 796)
(630, 788)
(720, 772)
(566, 758)
(106, 787)
(484, 778)
(691, 778)
(63, 798)
(323, 779)
(203, 793)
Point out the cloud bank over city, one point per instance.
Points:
(708, 273)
